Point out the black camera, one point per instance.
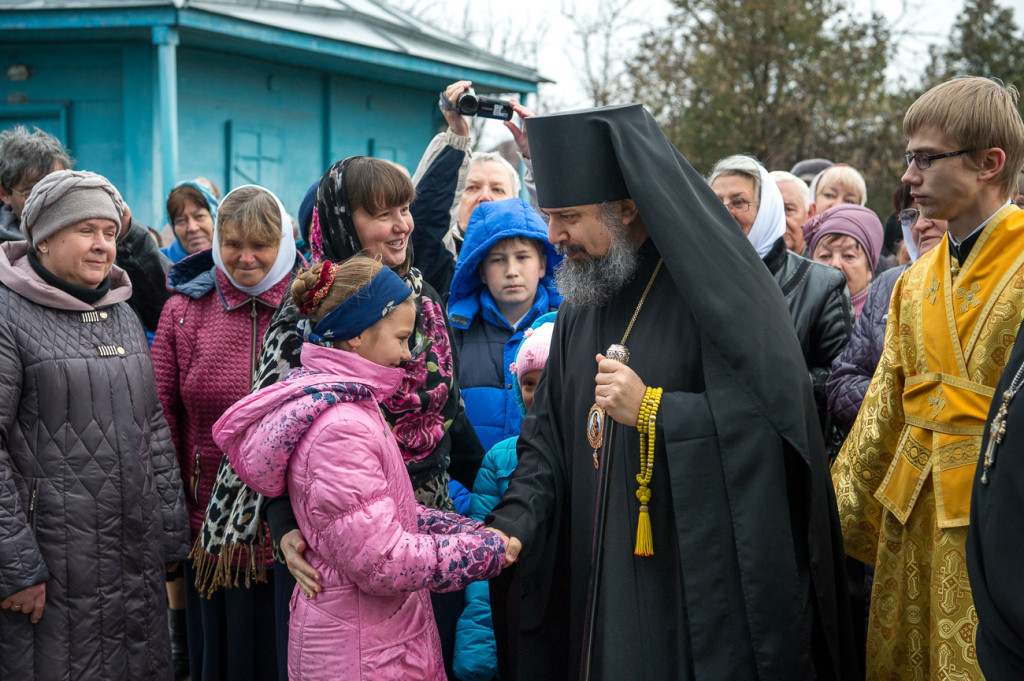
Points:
(471, 104)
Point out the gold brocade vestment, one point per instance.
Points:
(903, 478)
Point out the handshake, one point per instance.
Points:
(512, 546)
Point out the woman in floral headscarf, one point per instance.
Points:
(362, 206)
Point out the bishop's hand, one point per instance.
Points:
(619, 391)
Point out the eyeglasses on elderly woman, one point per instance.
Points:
(739, 206)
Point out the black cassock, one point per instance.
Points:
(995, 550)
(728, 593)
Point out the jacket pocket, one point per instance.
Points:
(403, 645)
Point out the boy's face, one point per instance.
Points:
(511, 271)
(528, 386)
(948, 187)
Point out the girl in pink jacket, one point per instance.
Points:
(320, 434)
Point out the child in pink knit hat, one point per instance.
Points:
(475, 649)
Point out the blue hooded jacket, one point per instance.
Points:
(485, 341)
(475, 650)
(176, 252)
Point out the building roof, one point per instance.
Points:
(369, 31)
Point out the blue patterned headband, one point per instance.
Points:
(358, 312)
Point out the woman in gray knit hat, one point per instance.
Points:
(91, 504)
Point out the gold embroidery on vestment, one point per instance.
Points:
(970, 297)
(938, 402)
(932, 290)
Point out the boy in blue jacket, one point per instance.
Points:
(503, 281)
(475, 649)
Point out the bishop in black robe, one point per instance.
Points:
(746, 580)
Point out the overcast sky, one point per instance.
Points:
(917, 25)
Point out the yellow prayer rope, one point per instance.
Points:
(646, 426)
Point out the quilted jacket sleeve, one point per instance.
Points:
(167, 366)
(21, 563)
(357, 520)
(168, 483)
(855, 365)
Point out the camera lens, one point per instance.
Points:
(467, 104)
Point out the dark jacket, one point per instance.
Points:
(853, 368)
(820, 306)
(10, 229)
(439, 180)
(139, 256)
(90, 498)
(485, 341)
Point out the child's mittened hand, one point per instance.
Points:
(293, 545)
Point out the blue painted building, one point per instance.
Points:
(149, 92)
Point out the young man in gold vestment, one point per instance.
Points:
(903, 478)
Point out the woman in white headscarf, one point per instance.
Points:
(205, 354)
(815, 293)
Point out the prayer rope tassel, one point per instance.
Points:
(646, 425)
(644, 541)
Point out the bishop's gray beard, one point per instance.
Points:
(593, 281)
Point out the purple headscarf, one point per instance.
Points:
(855, 221)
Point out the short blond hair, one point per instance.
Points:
(841, 175)
(980, 114)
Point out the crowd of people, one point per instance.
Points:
(609, 419)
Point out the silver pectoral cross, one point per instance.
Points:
(996, 432)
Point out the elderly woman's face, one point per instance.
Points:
(248, 261)
(82, 253)
(194, 227)
(737, 193)
(925, 233)
(846, 255)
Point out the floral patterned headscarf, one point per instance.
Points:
(423, 407)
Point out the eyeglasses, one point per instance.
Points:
(23, 193)
(924, 161)
(739, 206)
(908, 217)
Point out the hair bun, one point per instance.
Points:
(312, 286)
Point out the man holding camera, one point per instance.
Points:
(451, 181)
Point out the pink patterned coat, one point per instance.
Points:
(320, 434)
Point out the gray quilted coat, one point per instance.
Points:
(90, 498)
(853, 368)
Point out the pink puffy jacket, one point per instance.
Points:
(320, 434)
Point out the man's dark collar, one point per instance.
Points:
(960, 252)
